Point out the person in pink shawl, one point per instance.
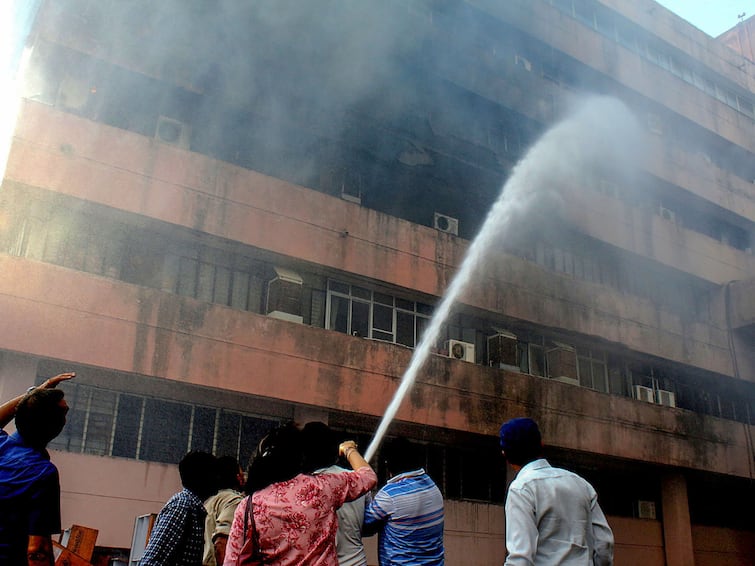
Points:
(293, 515)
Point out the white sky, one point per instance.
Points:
(712, 16)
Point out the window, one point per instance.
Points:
(361, 312)
(214, 283)
(111, 423)
(592, 368)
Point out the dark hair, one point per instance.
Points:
(320, 447)
(521, 441)
(39, 416)
(400, 456)
(197, 471)
(227, 473)
(278, 458)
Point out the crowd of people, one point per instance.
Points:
(296, 505)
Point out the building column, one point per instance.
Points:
(677, 529)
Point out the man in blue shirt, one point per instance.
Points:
(407, 512)
(29, 485)
(177, 539)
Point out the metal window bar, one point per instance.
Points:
(141, 429)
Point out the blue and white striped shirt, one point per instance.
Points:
(410, 506)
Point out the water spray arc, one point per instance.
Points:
(600, 130)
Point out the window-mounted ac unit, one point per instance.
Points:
(351, 194)
(667, 213)
(646, 510)
(284, 296)
(460, 350)
(74, 93)
(173, 132)
(562, 361)
(569, 380)
(523, 62)
(644, 393)
(446, 224)
(666, 398)
(502, 351)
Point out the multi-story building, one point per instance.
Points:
(224, 215)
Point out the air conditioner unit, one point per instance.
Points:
(446, 224)
(351, 194)
(569, 380)
(284, 296)
(646, 510)
(667, 213)
(74, 93)
(644, 393)
(562, 361)
(666, 398)
(502, 351)
(173, 132)
(460, 350)
(523, 62)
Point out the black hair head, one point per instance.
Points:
(40, 416)
(521, 441)
(197, 471)
(401, 456)
(320, 446)
(227, 473)
(278, 458)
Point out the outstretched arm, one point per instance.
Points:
(8, 409)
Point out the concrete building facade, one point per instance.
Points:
(227, 215)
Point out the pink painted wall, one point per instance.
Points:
(132, 173)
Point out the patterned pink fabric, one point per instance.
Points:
(295, 521)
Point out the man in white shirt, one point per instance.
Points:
(552, 515)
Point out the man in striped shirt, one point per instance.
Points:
(407, 512)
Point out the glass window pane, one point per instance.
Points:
(422, 324)
(360, 319)
(537, 360)
(599, 375)
(71, 437)
(256, 285)
(383, 299)
(187, 277)
(338, 287)
(385, 336)
(524, 359)
(360, 292)
(206, 280)
(127, 426)
(585, 373)
(382, 318)
(99, 426)
(228, 434)
(240, 291)
(338, 317)
(405, 328)
(161, 443)
(616, 382)
(222, 290)
(404, 304)
(424, 309)
(203, 429)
